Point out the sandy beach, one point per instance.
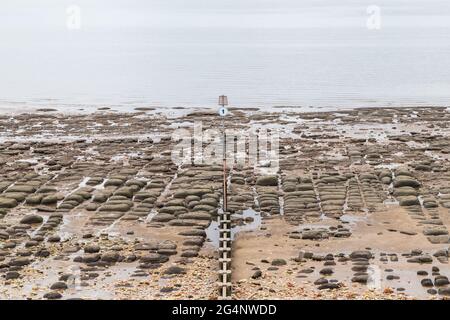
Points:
(92, 206)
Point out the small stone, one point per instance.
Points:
(52, 295)
(278, 262)
(361, 254)
(89, 258)
(267, 181)
(110, 257)
(66, 277)
(326, 271)
(12, 275)
(421, 259)
(320, 281)
(19, 262)
(92, 249)
(31, 219)
(440, 281)
(166, 289)
(257, 274)
(54, 239)
(444, 291)
(432, 291)
(59, 286)
(426, 282)
(175, 270)
(360, 279)
(330, 286)
(155, 258)
(307, 270)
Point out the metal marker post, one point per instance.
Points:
(223, 101)
(224, 219)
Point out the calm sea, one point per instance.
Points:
(258, 52)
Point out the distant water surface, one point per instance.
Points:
(258, 52)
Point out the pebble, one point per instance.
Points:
(278, 262)
(31, 219)
(257, 274)
(422, 273)
(10, 275)
(53, 295)
(92, 249)
(326, 271)
(426, 282)
(175, 270)
(59, 286)
(320, 281)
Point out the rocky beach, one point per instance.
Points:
(92, 206)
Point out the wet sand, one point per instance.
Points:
(92, 207)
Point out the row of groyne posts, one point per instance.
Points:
(224, 221)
